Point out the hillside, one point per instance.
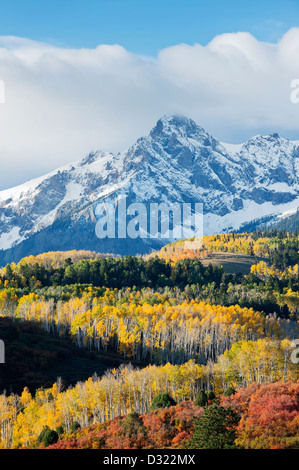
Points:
(287, 222)
(91, 339)
(35, 358)
(232, 263)
(246, 249)
(269, 419)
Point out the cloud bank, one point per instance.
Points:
(62, 103)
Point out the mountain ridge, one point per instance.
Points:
(178, 161)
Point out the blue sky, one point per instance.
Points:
(144, 26)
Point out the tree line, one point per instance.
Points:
(113, 272)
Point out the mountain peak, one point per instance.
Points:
(170, 124)
(90, 158)
(177, 120)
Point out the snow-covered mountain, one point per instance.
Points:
(177, 162)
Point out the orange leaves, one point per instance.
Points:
(270, 415)
(124, 390)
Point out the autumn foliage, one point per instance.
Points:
(192, 333)
(169, 427)
(251, 244)
(270, 415)
(269, 418)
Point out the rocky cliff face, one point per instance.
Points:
(177, 162)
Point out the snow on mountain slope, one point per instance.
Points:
(288, 213)
(177, 162)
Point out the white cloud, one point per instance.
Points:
(62, 103)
